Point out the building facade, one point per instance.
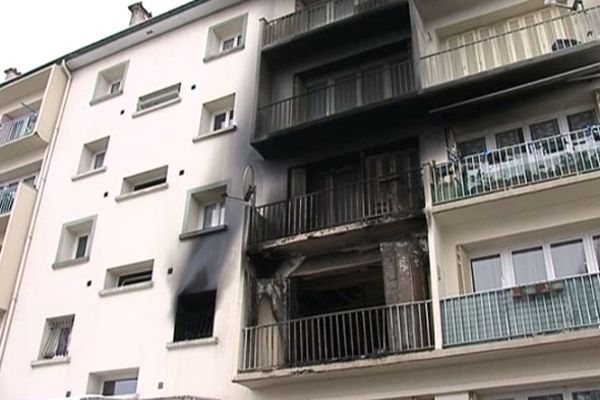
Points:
(343, 199)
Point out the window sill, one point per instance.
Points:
(156, 107)
(210, 341)
(202, 232)
(70, 263)
(223, 53)
(203, 136)
(142, 192)
(126, 289)
(50, 361)
(104, 98)
(88, 173)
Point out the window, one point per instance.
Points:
(129, 275)
(110, 82)
(205, 209)
(159, 98)
(487, 273)
(596, 241)
(217, 115)
(226, 37)
(568, 258)
(529, 266)
(92, 157)
(509, 138)
(544, 129)
(587, 395)
(471, 147)
(57, 335)
(582, 120)
(75, 242)
(195, 315)
(118, 387)
(142, 182)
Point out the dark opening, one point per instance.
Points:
(132, 279)
(147, 184)
(81, 246)
(119, 387)
(195, 316)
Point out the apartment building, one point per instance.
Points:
(340, 199)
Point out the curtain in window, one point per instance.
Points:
(487, 273)
(529, 266)
(568, 258)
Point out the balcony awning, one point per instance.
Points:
(587, 71)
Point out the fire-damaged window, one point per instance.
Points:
(195, 316)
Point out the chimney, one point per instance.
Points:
(11, 73)
(138, 13)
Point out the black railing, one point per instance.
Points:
(394, 195)
(316, 16)
(363, 89)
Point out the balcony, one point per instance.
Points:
(335, 337)
(518, 312)
(557, 157)
(380, 200)
(17, 128)
(346, 95)
(320, 15)
(7, 198)
(493, 47)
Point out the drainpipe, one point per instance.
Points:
(41, 186)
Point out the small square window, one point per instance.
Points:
(529, 266)
(109, 82)
(226, 37)
(218, 115)
(205, 209)
(75, 241)
(57, 335)
(145, 180)
(223, 120)
(195, 316)
(93, 155)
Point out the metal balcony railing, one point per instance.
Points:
(523, 164)
(7, 198)
(394, 195)
(363, 89)
(316, 16)
(342, 336)
(494, 51)
(546, 307)
(17, 128)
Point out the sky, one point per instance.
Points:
(34, 32)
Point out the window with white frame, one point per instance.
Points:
(538, 262)
(218, 115)
(57, 334)
(129, 275)
(557, 393)
(93, 156)
(226, 37)
(113, 383)
(159, 98)
(110, 82)
(205, 209)
(75, 241)
(154, 178)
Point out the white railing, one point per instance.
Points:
(523, 164)
(509, 47)
(7, 198)
(342, 336)
(540, 308)
(17, 128)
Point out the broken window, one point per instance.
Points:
(195, 316)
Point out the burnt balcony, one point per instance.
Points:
(345, 96)
(542, 308)
(557, 157)
(337, 337)
(374, 201)
(495, 48)
(321, 15)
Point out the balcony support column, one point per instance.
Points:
(404, 264)
(597, 98)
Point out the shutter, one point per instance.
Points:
(298, 182)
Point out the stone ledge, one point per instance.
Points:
(142, 192)
(70, 263)
(126, 289)
(51, 361)
(211, 341)
(88, 173)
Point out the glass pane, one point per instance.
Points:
(568, 258)
(81, 246)
(99, 160)
(509, 138)
(487, 273)
(470, 147)
(211, 216)
(544, 129)
(546, 397)
(582, 120)
(589, 395)
(119, 387)
(597, 248)
(219, 121)
(529, 266)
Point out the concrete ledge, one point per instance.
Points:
(207, 135)
(126, 289)
(70, 263)
(223, 53)
(156, 107)
(142, 192)
(107, 97)
(88, 173)
(211, 341)
(202, 232)
(51, 361)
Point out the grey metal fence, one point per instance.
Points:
(7, 198)
(17, 128)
